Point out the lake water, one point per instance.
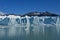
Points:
(43, 32)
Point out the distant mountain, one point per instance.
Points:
(1, 13)
(31, 14)
(13, 14)
(7, 14)
(40, 14)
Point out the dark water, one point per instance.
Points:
(33, 33)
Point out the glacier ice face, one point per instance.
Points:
(49, 21)
(12, 20)
(4, 21)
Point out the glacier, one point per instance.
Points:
(18, 20)
(28, 22)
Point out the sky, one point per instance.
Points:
(25, 6)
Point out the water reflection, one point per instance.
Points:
(42, 32)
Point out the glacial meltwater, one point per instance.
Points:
(29, 28)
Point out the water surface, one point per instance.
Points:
(43, 32)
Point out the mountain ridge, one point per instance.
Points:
(40, 14)
(31, 14)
